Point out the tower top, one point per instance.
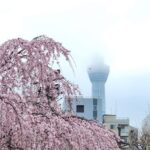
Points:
(98, 71)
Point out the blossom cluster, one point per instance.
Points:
(30, 117)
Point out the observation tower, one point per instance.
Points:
(98, 74)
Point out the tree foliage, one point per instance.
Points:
(30, 117)
(145, 137)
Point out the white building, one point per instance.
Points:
(122, 127)
(119, 125)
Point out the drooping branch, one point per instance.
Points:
(30, 89)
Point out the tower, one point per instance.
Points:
(98, 74)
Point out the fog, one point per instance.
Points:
(117, 30)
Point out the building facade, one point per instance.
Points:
(119, 125)
(122, 128)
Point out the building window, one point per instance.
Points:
(95, 115)
(94, 108)
(80, 108)
(94, 101)
(112, 126)
(124, 130)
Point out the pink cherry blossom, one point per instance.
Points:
(30, 88)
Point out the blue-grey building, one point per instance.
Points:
(98, 76)
(93, 107)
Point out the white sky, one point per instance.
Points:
(117, 29)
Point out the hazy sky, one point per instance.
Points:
(117, 29)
